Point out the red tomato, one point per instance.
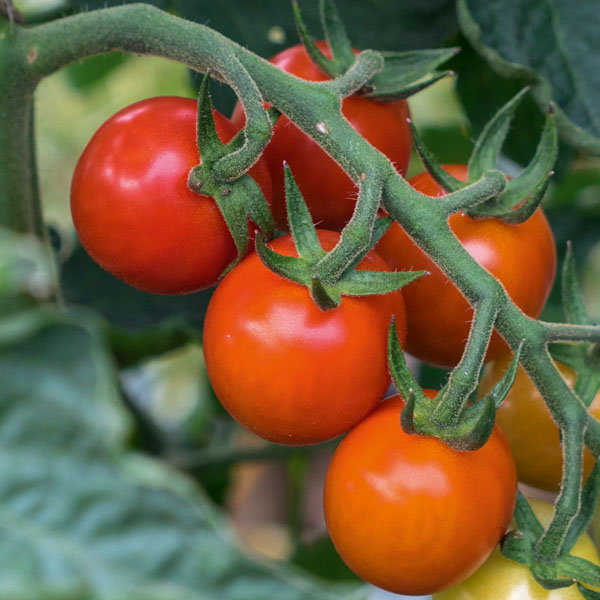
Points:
(131, 205)
(533, 435)
(408, 513)
(329, 193)
(522, 257)
(286, 370)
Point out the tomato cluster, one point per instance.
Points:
(406, 512)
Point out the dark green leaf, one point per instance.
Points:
(554, 45)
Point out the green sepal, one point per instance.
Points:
(526, 520)
(209, 145)
(472, 431)
(407, 415)
(300, 221)
(328, 66)
(499, 392)
(587, 593)
(367, 283)
(530, 184)
(434, 168)
(401, 374)
(490, 141)
(589, 500)
(572, 298)
(547, 576)
(325, 297)
(518, 547)
(406, 73)
(568, 354)
(290, 267)
(237, 200)
(336, 36)
(581, 569)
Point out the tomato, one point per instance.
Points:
(522, 257)
(131, 205)
(286, 370)
(500, 578)
(329, 193)
(533, 435)
(408, 513)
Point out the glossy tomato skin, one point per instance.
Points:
(329, 193)
(131, 205)
(408, 513)
(286, 370)
(532, 434)
(522, 257)
(500, 578)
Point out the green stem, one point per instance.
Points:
(568, 503)
(464, 378)
(356, 236)
(569, 332)
(20, 208)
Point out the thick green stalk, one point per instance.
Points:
(19, 196)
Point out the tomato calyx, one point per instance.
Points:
(351, 282)
(400, 75)
(239, 199)
(584, 358)
(453, 417)
(523, 193)
(522, 545)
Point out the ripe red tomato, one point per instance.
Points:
(329, 193)
(131, 205)
(522, 257)
(408, 513)
(286, 370)
(532, 433)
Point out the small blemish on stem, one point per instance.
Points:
(322, 128)
(32, 54)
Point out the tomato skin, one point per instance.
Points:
(286, 370)
(532, 433)
(131, 205)
(329, 193)
(500, 578)
(408, 513)
(522, 257)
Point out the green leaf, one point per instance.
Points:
(82, 518)
(554, 46)
(572, 298)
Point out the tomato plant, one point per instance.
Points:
(410, 514)
(500, 578)
(533, 435)
(131, 205)
(329, 192)
(522, 257)
(286, 370)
